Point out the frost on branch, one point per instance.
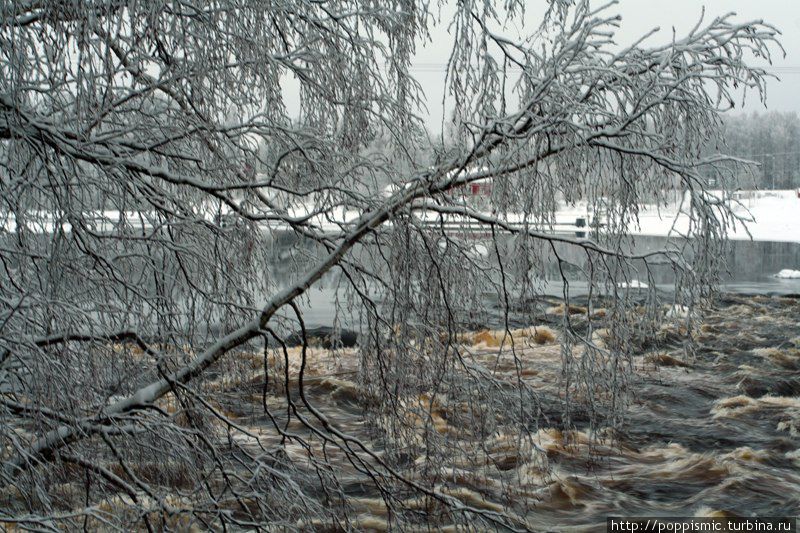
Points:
(150, 163)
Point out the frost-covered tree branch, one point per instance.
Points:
(149, 164)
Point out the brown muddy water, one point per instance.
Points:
(712, 433)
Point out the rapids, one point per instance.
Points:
(710, 432)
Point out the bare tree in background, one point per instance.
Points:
(136, 240)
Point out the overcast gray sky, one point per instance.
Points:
(640, 16)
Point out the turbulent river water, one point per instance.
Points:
(711, 431)
(716, 433)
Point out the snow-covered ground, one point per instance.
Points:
(766, 216)
(771, 215)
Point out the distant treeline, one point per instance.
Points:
(773, 140)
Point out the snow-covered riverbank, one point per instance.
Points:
(765, 216)
(770, 215)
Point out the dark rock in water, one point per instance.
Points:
(326, 337)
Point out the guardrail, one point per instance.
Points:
(580, 227)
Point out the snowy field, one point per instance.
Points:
(764, 216)
(771, 216)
